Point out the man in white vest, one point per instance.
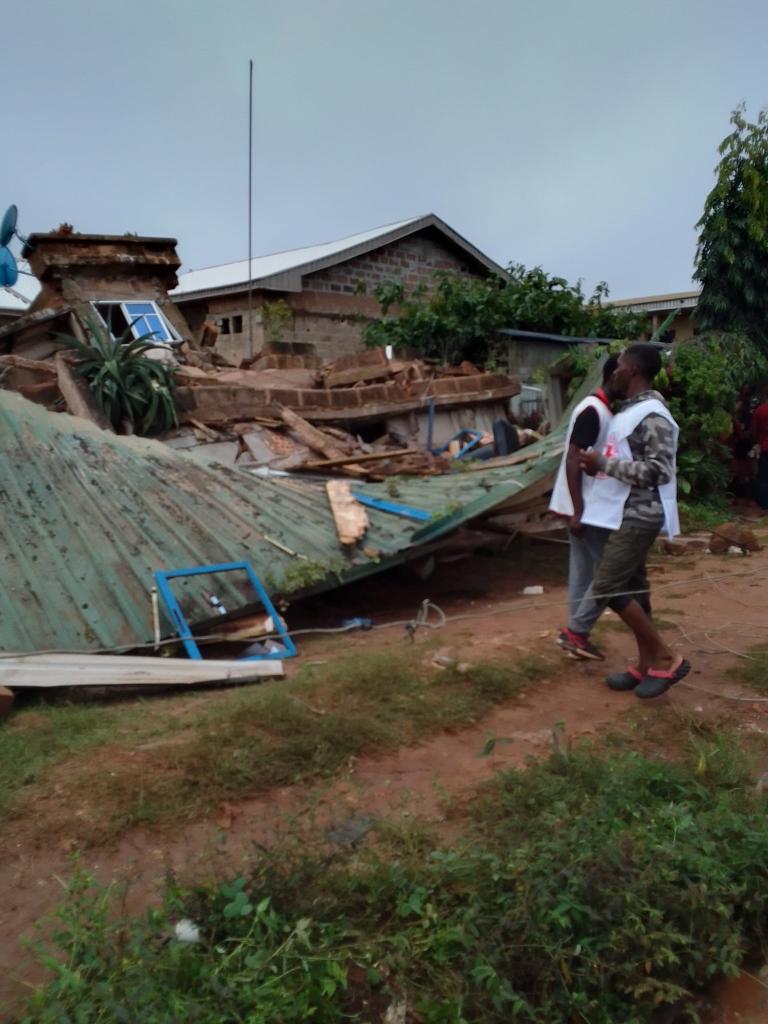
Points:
(635, 496)
(588, 428)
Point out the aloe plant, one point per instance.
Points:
(129, 388)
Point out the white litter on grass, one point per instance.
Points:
(187, 931)
(532, 591)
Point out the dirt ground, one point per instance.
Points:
(711, 607)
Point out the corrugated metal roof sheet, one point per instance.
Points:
(12, 299)
(88, 516)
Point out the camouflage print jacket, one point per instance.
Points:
(652, 445)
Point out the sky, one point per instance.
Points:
(581, 137)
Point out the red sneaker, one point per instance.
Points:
(579, 645)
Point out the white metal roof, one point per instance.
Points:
(284, 269)
(658, 303)
(12, 299)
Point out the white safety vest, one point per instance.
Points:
(608, 496)
(561, 496)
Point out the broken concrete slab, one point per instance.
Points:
(223, 452)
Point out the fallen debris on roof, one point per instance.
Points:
(88, 516)
(350, 517)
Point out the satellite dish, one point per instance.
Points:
(8, 226)
(9, 272)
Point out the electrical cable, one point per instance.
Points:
(412, 625)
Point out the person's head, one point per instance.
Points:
(637, 367)
(609, 367)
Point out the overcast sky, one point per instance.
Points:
(578, 136)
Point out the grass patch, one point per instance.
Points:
(284, 732)
(594, 887)
(699, 515)
(753, 672)
(33, 740)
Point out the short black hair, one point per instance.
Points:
(646, 357)
(609, 366)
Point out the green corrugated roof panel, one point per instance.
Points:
(88, 516)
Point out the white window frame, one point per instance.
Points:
(175, 337)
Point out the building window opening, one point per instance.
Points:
(237, 325)
(224, 325)
(144, 320)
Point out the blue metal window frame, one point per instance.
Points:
(163, 579)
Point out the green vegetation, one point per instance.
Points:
(732, 254)
(592, 888)
(701, 384)
(33, 741)
(752, 671)
(303, 729)
(277, 318)
(703, 514)
(456, 319)
(134, 392)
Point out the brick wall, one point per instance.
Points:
(412, 261)
(331, 310)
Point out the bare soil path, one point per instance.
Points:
(712, 607)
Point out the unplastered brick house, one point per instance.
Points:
(120, 280)
(327, 289)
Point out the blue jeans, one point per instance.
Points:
(584, 557)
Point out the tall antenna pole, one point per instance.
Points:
(250, 209)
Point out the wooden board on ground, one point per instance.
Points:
(49, 671)
(349, 515)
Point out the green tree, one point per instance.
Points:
(732, 253)
(457, 318)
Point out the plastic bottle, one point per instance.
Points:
(216, 604)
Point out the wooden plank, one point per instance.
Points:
(76, 393)
(356, 375)
(362, 457)
(350, 517)
(513, 460)
(212, 435)
(314, 438)
(47, 671)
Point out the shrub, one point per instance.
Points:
(132, 390)
(592, 889)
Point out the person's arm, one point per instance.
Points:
(584, 434)
(657, 443)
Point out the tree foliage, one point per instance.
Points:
(457, 318)
(732, 253)
(701, 384)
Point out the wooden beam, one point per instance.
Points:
(362, 457)
(314, 438)
(350, 517)
(62, 670)
(76, 393)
